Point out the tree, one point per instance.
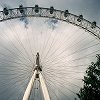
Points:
(91, 87)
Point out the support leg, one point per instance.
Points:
(44, 88)
(29, 87)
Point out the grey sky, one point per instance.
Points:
(43, 35)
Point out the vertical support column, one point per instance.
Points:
(29, 87)
(44, 88)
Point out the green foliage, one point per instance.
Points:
(91, 88)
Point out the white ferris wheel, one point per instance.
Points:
(44, 53)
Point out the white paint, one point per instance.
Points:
(29, 87)
(44, 88)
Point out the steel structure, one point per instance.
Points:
(36, 74)
(36, 11)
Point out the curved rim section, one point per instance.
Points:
(57, 14)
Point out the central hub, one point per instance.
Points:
(38, 67)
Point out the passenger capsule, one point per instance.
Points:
(66, 13)
(80, 18)
(5, 11)
(21, 9)
(51, 10)
(36, 8)
(93, 24)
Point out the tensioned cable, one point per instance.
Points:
(19, 41)
(52, 83)
(75, 52)
(60, 45)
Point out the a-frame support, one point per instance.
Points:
(37, 74)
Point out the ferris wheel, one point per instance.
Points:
(44, 53)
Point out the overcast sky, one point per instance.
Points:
(45, 36)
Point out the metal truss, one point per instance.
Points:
(36, 11)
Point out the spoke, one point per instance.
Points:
(37, 61)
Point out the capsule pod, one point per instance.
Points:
(5, 11)
(93, 24)
(36, 8)
(66, 13)
(51, 10)
(80, 18)
(21, 9)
